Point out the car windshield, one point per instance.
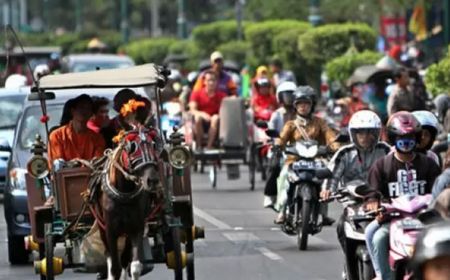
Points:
(10, 108)
(94, 65)
(31, 125)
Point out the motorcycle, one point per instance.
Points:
(305, 177)
(404, 229)
(405, 223)
(355, 221)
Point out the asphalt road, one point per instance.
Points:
(241, 240)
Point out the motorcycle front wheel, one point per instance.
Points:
(302, 237)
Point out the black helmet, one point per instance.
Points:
(434, 242)
(305, 93)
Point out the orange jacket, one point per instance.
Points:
(66, 144)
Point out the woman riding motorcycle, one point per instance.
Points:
(352, 162)
(285, 97)
(304, 127)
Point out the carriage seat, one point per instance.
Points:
(233, 131)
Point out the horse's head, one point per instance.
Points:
(139, 155)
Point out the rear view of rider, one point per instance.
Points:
(285, 97)
(403, 172)
(431, 258)
(352, 162)
(304, 127)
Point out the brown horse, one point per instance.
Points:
(130, 188)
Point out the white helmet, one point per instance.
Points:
(15, 81)
(364, 120)
(40, 71)
(428, 121)
(285, 87)
(426, 118)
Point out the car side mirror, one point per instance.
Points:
(4, 146)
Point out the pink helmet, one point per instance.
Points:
(402, 123)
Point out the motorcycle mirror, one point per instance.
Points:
(272, 133)
(359, 188)
(323, 173)
(262, 124)
(429, 216)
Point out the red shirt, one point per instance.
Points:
(205, 103)
(264, 105)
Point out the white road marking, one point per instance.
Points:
(269, 254)
(210, 219)
(238, 228)
(237, 237)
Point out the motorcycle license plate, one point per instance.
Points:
(411, 224)
(304, 164)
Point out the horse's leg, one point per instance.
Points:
(125, 258)
(114, 268)
(137, 253)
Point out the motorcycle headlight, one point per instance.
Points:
(17, 178)
(179, 157)
(307, 152)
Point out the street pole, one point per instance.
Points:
(124, 25)
(154, 9)
(239, 5)
(446, 22)
(79, 15)
(314, 14)
(181, 20)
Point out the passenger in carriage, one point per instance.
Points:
(204, 105)
(100, 117)
(75, 139)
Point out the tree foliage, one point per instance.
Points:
(324, 43)
(342, 67)
(437, 78)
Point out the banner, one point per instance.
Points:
(393, 29)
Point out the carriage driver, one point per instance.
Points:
(75, 139)
(204, 105)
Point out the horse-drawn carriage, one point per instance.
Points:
(142, 184)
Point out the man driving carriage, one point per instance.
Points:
(205, 105)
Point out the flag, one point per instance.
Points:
(418, 22)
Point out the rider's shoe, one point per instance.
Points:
(280, 219)
(327, 221)
(269, 202)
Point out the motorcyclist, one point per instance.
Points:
(403, 172)
(430, 128)
(305, 126)
(285, 97)
(431, 258)
(352, 162)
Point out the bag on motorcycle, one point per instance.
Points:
(233, 123)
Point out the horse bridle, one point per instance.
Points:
(140, 155)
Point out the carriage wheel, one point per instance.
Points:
(252, 167)
(190, 272)
(177, 252)
(213, 176)
(49, 251)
